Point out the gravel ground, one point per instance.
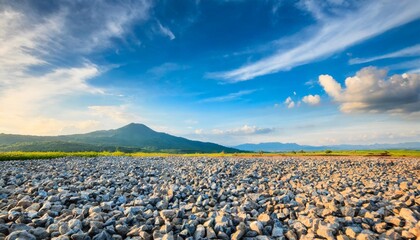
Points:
(205, 198)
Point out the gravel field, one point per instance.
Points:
(210, 198)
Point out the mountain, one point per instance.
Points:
(287, 147)
(276, 147)
(133, 137)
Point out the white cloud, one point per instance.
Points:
(412, 51)
(166, 68)
(312, 99)
(229, 97)
(333, 34)
(372, 91)
(46, 102)
(332, 87)
(119, 114)
(289, 102)
(198, 131)
(244, 130)
(20, 49)
(93, 24)
(166, 31)
(411, 66)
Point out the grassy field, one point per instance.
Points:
(49, 155)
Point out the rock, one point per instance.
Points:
(75, 224)
(168, 236)
(96, 209)
(64, 228)
(408, 215)
(380, 227)
(408, 235)
(122, 229)
(257, 227)
(157, 235)
(222, 235)
(263, 218)
(133, 232)
(200, 232)
(144, 235)
(240, 231)
(222, 219)
(291, 235)
(180, 197)
(24, 203)
(404, 186)
(116, 237)
(277, 230)
(168, 214)
(415, 230)
(62, 237)
(80, 236)
(348, 211)
(342, 237)
(39, 233)
(352, 231)
(52, 228)
(366, 235)
(325, 232)
(210, 234)
(18, 235)
(4, 229)
(103, 235)
(396, 221)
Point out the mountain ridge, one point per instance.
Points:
(287, 147)
(132, 137)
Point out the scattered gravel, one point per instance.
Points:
(210, 198)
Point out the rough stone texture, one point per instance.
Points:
(210, 198)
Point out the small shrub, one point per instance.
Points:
(386, 153)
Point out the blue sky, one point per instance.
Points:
(311, 72)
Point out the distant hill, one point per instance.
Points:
(287, 147)
(276, 147)
(131, 138)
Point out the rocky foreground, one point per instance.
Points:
(203, 198)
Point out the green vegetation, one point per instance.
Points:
(49, 155)
(131, 138)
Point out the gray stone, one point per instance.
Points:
(17, 235)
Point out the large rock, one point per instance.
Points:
(240, 231)
(257, 227)
(408, 215)
(20, 235)
(169, 214)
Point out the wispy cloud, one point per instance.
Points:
(166, 31)
(165, 68)
(119, 113)
(240, 131)
(333, 33)
(412, 51)
(32, 102)
(410, 66)
(87, 30)
(229, 97)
